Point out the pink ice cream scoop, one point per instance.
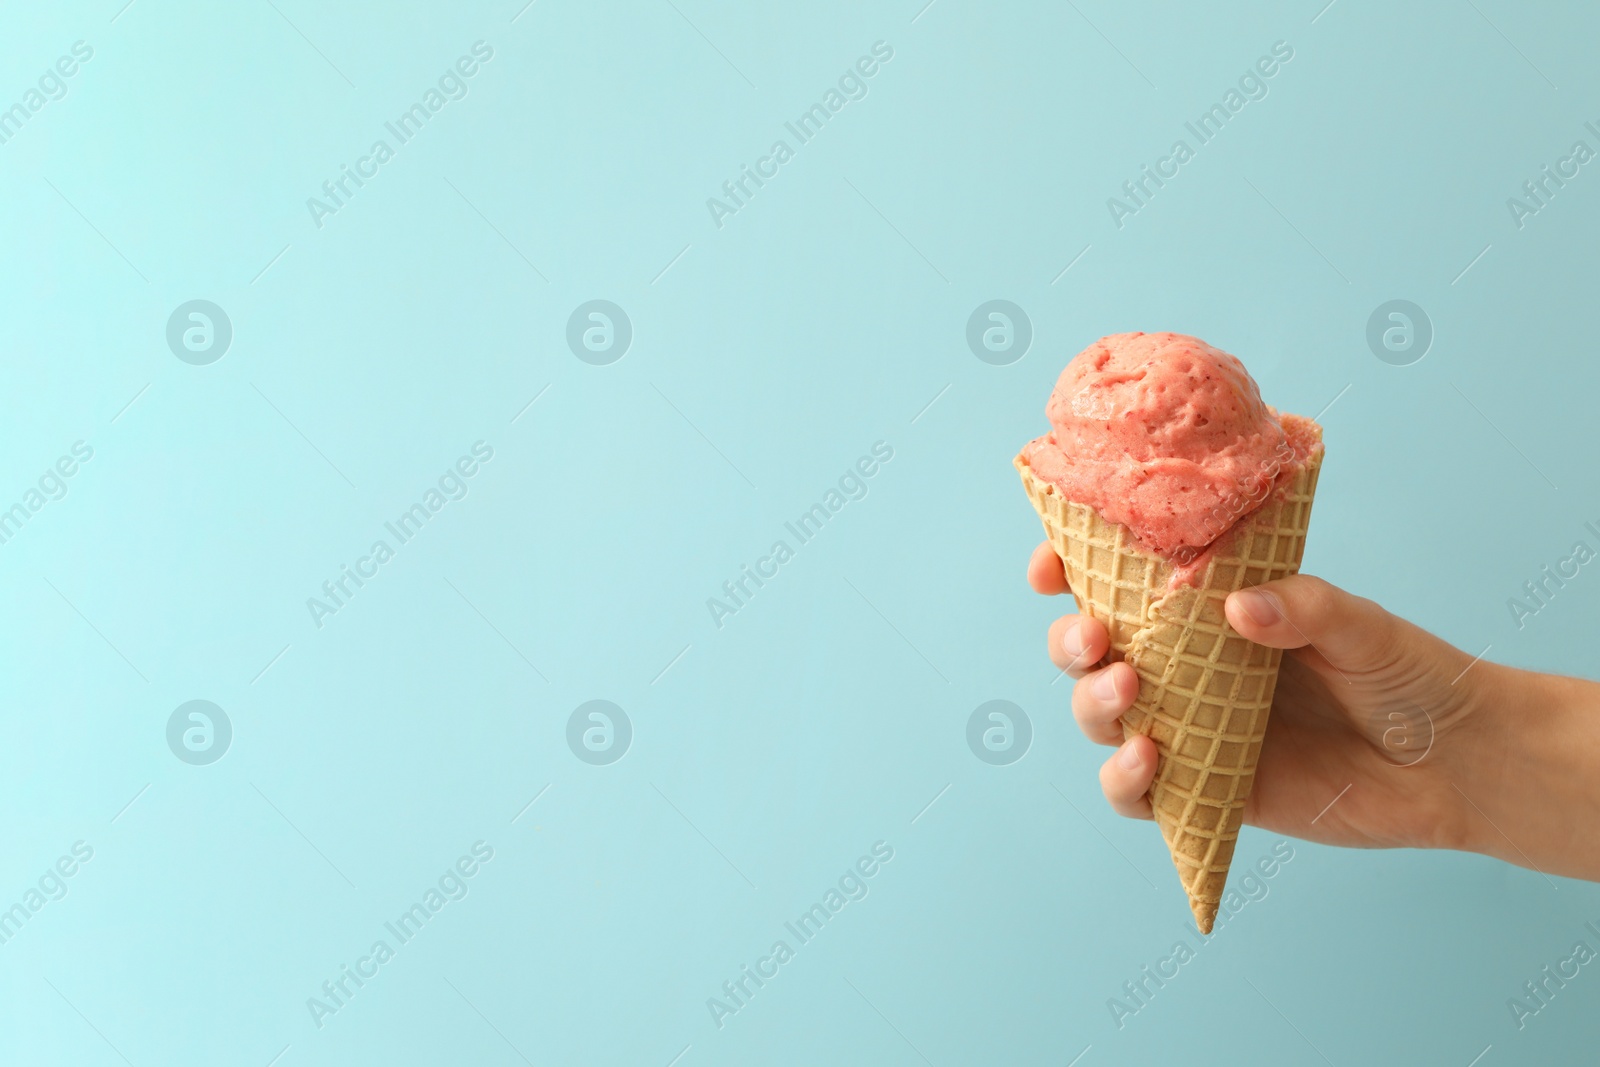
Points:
(1168, 436)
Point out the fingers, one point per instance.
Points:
(1045, 573)
(1100, 699)
(1350, 632)
(1125, 778)
(1076, 643)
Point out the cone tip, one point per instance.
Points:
(1205, 913)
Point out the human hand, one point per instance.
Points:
(1381, 735)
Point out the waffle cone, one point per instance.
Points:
(1204, 691)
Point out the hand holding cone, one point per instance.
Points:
(1204, 691)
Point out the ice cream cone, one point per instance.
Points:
(1204, 691)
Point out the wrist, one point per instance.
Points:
(1521, 767)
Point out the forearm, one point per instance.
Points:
(1527, 772)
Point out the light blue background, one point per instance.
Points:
(767, 356)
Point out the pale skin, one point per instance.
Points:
(1497, 760)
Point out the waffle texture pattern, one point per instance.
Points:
(1204, 691)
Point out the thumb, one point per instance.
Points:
(1350, 632)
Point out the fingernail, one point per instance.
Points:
(1128, 759)
(1104, 686)
(1072, 642)
(1264, 608)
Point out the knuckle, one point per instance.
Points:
(1108, 781)
(1082, 708)
(1316, 600)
